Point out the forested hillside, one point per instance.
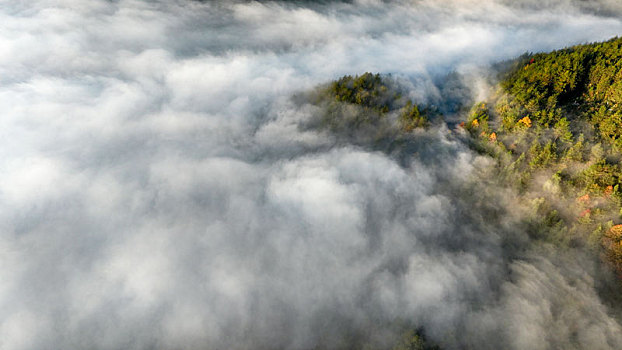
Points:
(359, 101)
(554, 125)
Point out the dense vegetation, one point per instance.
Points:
(374, 98)
(554, 125)
(413, 340)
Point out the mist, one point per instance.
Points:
(158, 188)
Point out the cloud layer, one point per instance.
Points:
(157, 192)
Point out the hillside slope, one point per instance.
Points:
(554, 125)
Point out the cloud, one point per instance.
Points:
(156, 190)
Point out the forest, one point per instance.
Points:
(553, 128)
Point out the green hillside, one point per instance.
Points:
(554, 125)
(374, 97)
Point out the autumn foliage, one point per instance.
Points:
(612, 244)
